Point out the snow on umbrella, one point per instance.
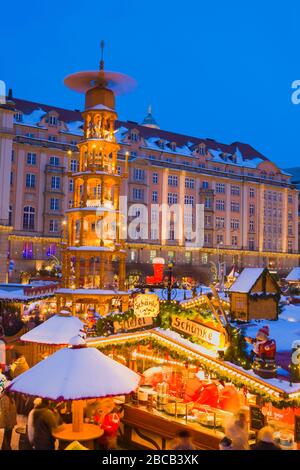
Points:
(76, 373)
(58, 330)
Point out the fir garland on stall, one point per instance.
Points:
(236, 351)
(161, 349)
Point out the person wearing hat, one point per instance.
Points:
(265, 440)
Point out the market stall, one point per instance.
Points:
(50, 336)
(187, 385)
(76, 374)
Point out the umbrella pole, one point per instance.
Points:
(77, 420)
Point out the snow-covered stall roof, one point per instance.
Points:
(246, 280)
(294, 275)
(58, 330)
(76, 373)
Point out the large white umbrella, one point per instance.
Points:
(58, 330)
(76, 373)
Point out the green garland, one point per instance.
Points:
(157, 346)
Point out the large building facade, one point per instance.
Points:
(250, 205)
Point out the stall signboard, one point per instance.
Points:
(257, 418)
(146, 305)
(193, 328)
(134, 323)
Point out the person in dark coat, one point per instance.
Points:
(265, 440)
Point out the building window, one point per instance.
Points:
(52, 138)
(138, 194)
(55, 182)
(28, 218)
(134, 137)
(290, 246)
(251, 209)
(234, 240)
(53, 120)
(251, 225)
(31, 158)
(172, 198)
(235, 224)
(54, 161)
(190, 183)
(171, 255)
(251, 244)
(220, 222)
(152, 255)
(220, 188)
(235, 206)
(11, 178)
(220, 205)
(30, 180)
(220, 239)
(207, 220)
(154, 196)
(51, 250)
(154, 178)
(208, 203)
(54, 204)
(18, 117)
(251, 192)
(173, 180)
(29, 135)
(138, 174)
(74, 165)
(205, 184)
(53, 225)
(290, 230)
(290, 199)
(10, 215)
(235, 190)
(71, 185)
(188, 257)
(189, 200)
(28, 250)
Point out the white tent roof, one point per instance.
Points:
(59, 329)
(246, 280)
(294, 275)
(74, 374)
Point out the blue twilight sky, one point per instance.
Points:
(218, 69)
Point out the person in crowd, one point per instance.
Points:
(225, 444)
(8, 414)
(19, 365)
(42, 422)
(237, 431)
(265, 440)
(184, 441)
(31, 323)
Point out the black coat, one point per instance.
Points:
(261, 445)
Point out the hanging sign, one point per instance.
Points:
(202, 332)
(133, 323)
(146, 305)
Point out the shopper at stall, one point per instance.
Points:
(237, 430)
(265, 440)
(19, 365)
(42, 422)
(8, 414)
(184, 441)
(225, 444)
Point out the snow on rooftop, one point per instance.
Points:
(59, 329)
(294, 275)
(246, 280)
(75, 127)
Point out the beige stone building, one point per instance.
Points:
(250, 205)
